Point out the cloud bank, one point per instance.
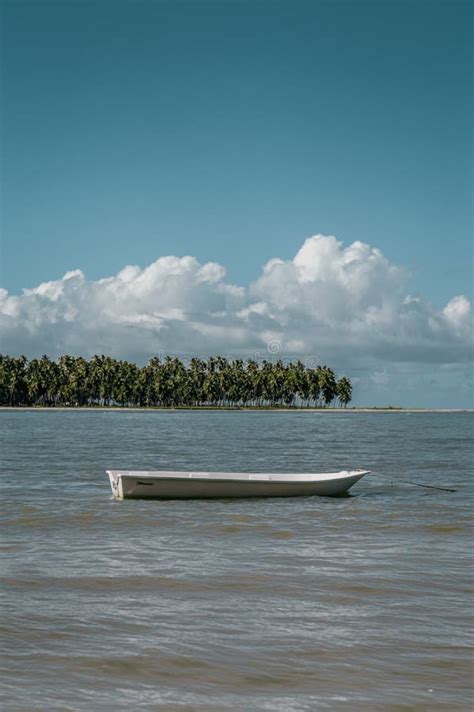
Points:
(347, 306)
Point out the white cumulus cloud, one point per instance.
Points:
(345, 305)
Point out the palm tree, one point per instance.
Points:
(327, 384)
(196, 374)
(344, 391)
(13, 385)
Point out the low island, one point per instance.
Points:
(217, 382)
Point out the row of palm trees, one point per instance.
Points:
(217, 381)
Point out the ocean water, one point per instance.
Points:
(355, 603)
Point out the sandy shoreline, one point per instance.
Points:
(127, 409)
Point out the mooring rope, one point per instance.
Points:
(418, 484)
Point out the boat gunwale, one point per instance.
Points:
(250, 477)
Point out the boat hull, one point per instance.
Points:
(180, 485)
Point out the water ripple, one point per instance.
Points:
(359, 603)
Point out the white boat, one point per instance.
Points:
(186, 485)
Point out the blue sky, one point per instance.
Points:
(233, 131)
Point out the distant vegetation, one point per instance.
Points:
(217, 381)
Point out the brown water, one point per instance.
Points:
(355, 603)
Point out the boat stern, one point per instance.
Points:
(115, 483)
